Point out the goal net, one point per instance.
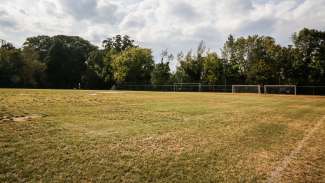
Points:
(280, 89)
(246, 88)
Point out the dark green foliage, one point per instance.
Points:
(118, 43)
(201, 67)
(6, 45)
(11, 64)
(133, 65)
(251, 60)
(41, 44)
(34, 74)
(190, 69)
(66, 61)
(99, 71)
(20, 68)
(161, 73)
(213, 69)
(310, 65)
(71, 62)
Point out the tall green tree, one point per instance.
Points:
(99, 72)
(190, 67)
(251, 60)
(213, 69)
(161, 72)
(261, 60)
(118, 43)
(133, 65)
(6, 45)
(310, 64)
(66, 61)
(34, 70)
(232, 74)
(41, 44)
(11, 64)
(19, 68)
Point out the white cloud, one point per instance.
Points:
(160, 24)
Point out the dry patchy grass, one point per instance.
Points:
(95, 136)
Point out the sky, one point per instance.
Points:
(175, 25)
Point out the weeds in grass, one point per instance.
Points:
(156, 137)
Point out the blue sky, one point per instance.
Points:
(176, 25)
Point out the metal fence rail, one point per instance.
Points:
(301, 90)
(311, 90)
(174, 88)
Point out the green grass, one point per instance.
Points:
(157, 137)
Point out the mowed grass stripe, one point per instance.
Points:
(275, 176)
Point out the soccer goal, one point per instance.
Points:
(246, 89)
(280, 89)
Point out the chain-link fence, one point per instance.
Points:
(175, 87)
(197, 87)
(311, 90)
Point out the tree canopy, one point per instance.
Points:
(71, 61)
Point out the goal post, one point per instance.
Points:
(280, 89)
(246, 89)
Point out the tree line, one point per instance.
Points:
(72, 62)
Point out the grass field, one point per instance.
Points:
(93, 136)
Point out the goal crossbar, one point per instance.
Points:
(257, 87)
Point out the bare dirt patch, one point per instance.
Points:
(297, 106)
(24, 94)
(19, 118)
(107, 92)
